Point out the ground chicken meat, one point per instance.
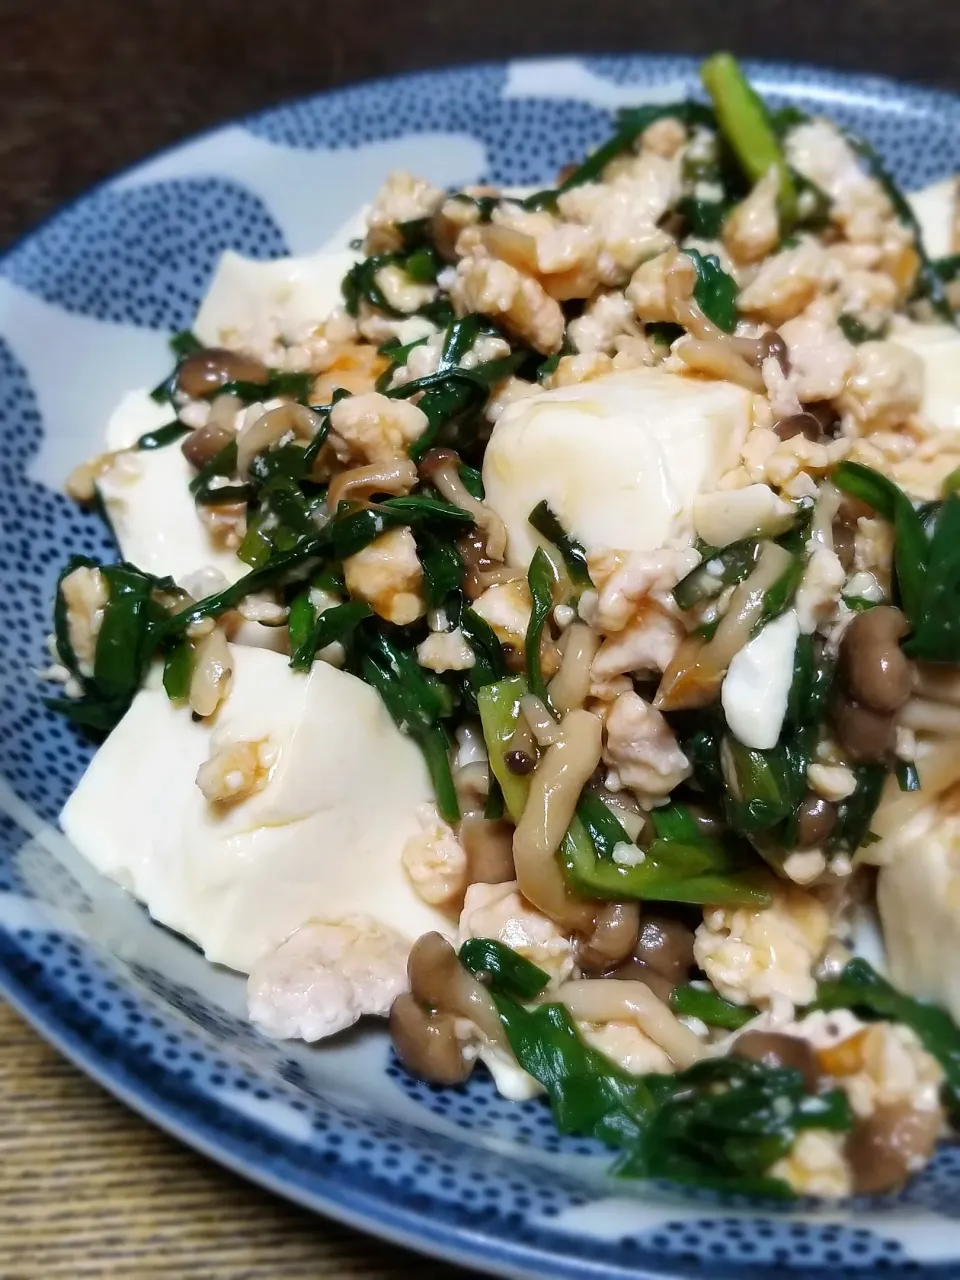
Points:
(785, 284)
(496, 289)
(752, 229)
(626, 579)
(501, 912)
(402, 198)
(885, 387)
(435, 860)
(85, 593)
(325, 977)
(641, 750)
(374, 428)
(648, 643)
(388, 575)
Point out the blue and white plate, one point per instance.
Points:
(86, 302)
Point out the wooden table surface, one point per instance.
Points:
(87, 1189)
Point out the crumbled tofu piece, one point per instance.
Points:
(731, 514)
(756, 687)
(506, 607)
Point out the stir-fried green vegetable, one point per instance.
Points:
(856, 812)
(574, 556)
(419, 704)
(746, 125)
(125, 643)
(721, 568)
(541, 578)
(856, 331)
(504, 970)
(691, 1001)
(335, 624)
(722, 1123)
(162, 436)
(715, 291)
(927, 565)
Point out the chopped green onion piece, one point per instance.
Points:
(541, 578)
(507, 972)
(548, 526)
(335, 624)
(715, 291)
(745, 123)
(856, 331)
(177, 669)
(162, 436)
(696, 1002)
(908, 779)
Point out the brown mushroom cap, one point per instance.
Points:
(209, 370)
(867, 736)
(666, 946)
(612, 939)
(886, 1148)
(774, 1049)
(426, 1043)
(203, 445)
(874, 669)
(816, 819)
(488, 844)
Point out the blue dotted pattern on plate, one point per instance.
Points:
(143, 255)
(169, 1045)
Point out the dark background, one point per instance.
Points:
(88, 86)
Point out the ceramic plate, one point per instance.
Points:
(86, 302)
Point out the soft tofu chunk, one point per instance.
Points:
(757, 686)
(147, 497)
(918, 896)
(938, 346)
(619, 459)
(935, 208)
(315, 833)
(289, 293)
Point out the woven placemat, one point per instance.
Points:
(89, 1189)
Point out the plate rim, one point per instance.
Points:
(335, 1197)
